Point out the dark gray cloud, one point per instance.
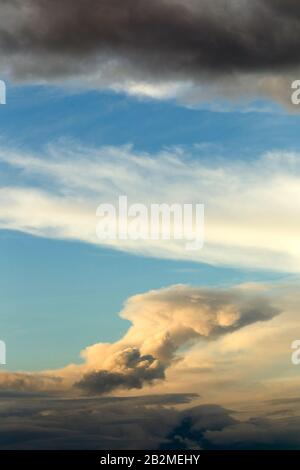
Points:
(113, 41)
(139, 423)
(223, 35)
(212, 427)
(258, 433)
(134, 371)
(108, 423)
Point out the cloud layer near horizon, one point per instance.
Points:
(191, 49)
(149, 422)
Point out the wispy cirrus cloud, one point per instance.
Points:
(251, 207)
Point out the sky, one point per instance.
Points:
(165, 102)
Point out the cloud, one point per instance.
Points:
(123, 423)
(258, 433)
(164, 325)
(251, 207)
(150, 422)
(22, 382)
(213, 427)
(164, 322)
(191, 49)
(251, 363)
(231, 346)
(133, 371)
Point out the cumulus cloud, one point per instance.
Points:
(253, 362)
(228, 345)
(251, 207)
(164, 323)
(194, 49)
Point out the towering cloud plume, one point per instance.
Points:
(149, 47)
(163, 322)
(129, 370)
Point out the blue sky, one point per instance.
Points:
(35, 116)
(59, 296)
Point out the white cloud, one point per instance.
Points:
(252, 207)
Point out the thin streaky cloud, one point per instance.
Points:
(252, 207)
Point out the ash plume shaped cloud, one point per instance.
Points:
(163, 322)
(134, 371)
(237, 47)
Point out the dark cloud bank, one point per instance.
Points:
(157, 40)
(139, 422)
